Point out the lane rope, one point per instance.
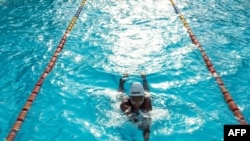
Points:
(227, 97)
(22, 115)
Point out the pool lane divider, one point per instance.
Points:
(22, 115)
(229, 100)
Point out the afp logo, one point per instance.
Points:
(236, 132)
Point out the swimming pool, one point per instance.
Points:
(77, 101)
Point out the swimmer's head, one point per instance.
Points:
(137, 94)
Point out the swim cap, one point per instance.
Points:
(136, 89)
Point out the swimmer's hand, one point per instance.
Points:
(131, 116)
(143, 75)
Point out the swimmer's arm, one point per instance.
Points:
(146, 134)
(126, 109)
(145, 83)
(147, 124)
(121, 85)
(147, 118)
(121, 91)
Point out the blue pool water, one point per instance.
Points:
(78, 101)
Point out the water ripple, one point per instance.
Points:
(78, 99)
